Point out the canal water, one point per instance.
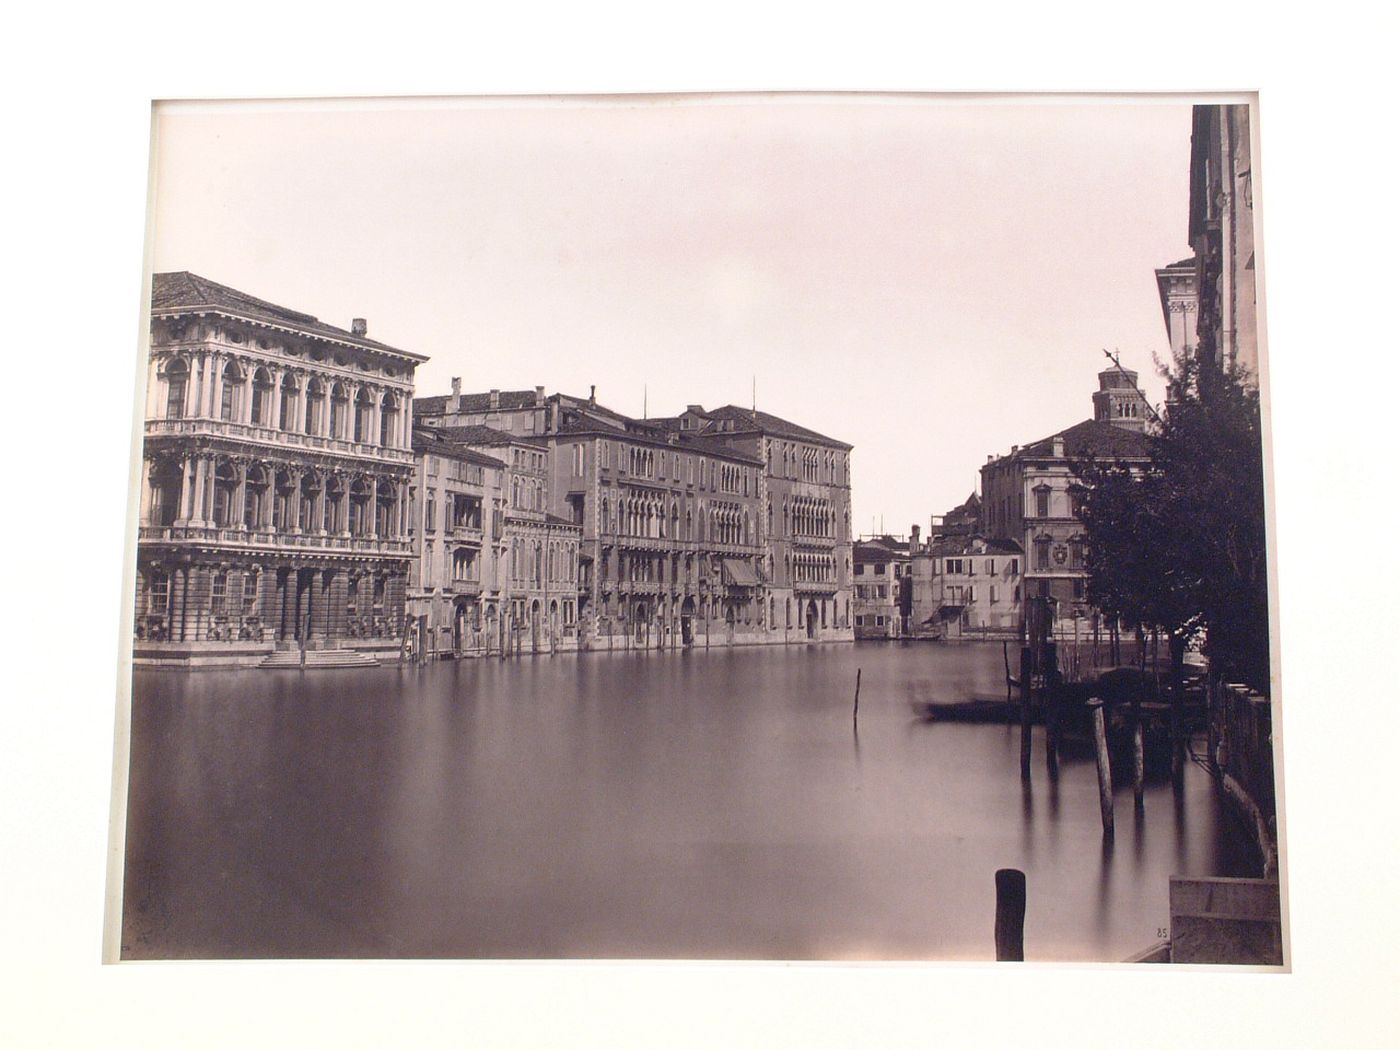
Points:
(702, 804)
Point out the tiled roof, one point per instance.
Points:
(477, 434)
(437, 404)
(768, 424)
(971, 546)
(715, 445)
(425, 441)
(184, 291)
(865, 552)
(1092, 439)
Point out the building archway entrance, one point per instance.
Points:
(459, 627)
(640, 622)
(305, 589)
(811, 619)
(688, 621)
(535, 625)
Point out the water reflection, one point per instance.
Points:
(700, 804)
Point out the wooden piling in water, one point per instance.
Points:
(855, 712)
(1027, 674)
(1101, 760)
(1011, 915)
(1138, 761)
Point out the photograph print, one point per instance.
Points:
(732, 527)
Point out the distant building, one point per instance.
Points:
(805, 519)
(881, 578)
(1032, 495)
(962, 520)
(533, 607)
(274, 481)
(966, 586)
(676, 542)
(456, 589)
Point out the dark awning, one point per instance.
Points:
(739, 573)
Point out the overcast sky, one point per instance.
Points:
(930, 281)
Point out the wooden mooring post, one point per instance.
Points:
(1101, 760)
(1011, 915)
(855, 711)
(1027, 675)
(1138, 760)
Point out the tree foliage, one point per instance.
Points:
(1180, 545)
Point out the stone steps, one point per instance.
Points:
(291, 658)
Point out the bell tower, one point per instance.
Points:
(1119, 401)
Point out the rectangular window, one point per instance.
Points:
(250, 592)
(431, 524)
(1042, 503)
(1042, 554)
(158, 600)
(218, 592)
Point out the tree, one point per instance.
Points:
(1180, 545)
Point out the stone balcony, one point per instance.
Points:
(280, 440)
(465, 534)
(469, 587)
(268, 540)
(668, 545)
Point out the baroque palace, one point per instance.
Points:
(299, 506)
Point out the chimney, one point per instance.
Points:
(592, 395)
(495, 402)
(359, 326)
(456, 386)
(913, 540)
(539, 396)
(1057, 448)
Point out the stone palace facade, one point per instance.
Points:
(274, 481)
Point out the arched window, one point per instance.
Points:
(315, 406)
(340, 404)
(231, 400)
(388, 417)
(333, 514)
(359, 508)
(225, 485)
(254, 497)
(262, 390)
(283, 492)
(363, 404)
(167, 481)
(177, 380)
(287, 413)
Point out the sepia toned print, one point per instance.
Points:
(548, 609)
